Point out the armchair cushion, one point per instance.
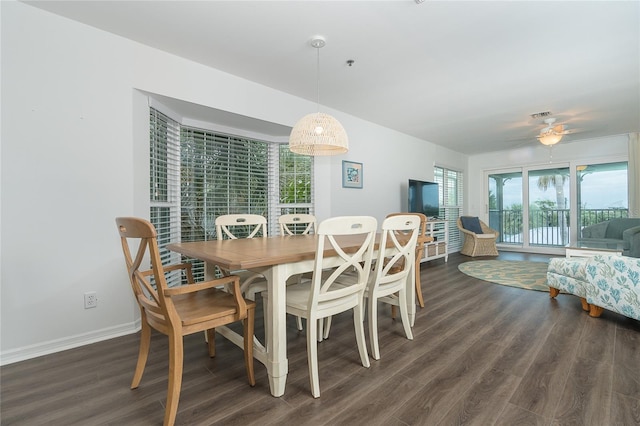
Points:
(471, 223)
(631, 238)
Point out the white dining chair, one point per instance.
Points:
(234, 226)
(318, 299)
(297, 224)
(391, 277)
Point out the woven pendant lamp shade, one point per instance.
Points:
(318, 134)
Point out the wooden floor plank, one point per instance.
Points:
(482, 354)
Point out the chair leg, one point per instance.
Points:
(175, 377)
(320, 330)
(248, 331)
(312, 356)
(143, 353)
(211, 341)
(358, 323)
(418, 286)
(327, 326)
(372, 314)
(404, 314)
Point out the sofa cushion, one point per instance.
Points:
(616, 227)
(471, 223)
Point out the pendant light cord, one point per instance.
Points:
(318, 77)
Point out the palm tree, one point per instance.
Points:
(557, 181)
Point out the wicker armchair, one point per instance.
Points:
(479, 244)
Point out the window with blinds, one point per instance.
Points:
(198, 174)
(164, 185)
(450, 183)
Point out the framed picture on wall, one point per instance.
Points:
(351, 174)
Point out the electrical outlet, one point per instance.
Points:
(90, 300)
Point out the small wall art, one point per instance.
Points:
(351, 174)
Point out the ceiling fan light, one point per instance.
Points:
(318, 134)
(550, 138)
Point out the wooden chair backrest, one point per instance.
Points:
(152, 300)
(234, 226)
(291, 223)
(423, 224)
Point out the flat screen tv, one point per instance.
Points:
(424, 198)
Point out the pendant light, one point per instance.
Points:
(318, 133)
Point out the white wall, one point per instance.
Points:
(566, 153)
(75, 155)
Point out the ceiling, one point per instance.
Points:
(466, 75)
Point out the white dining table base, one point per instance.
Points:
(273, 354)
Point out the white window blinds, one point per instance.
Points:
(164, 185)
(451, 200)
(198, 174)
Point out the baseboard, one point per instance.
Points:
(59, 345)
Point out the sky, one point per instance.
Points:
(600, 190)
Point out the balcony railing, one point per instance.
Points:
(549, 227)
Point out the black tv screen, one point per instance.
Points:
(424, 198)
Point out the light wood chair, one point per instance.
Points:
(388, 283)
(322, 297)
(178, 311)
(479, 244)
(234, 226)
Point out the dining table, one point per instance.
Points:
(277, 258)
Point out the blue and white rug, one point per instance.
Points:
(513, 273)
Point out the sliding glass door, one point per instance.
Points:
(534, 207)
(505, 206)
(602, 192)
(549, 207)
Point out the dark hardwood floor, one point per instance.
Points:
(482, 354)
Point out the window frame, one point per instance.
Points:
(171, 232)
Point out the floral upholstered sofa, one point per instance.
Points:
(602, 282)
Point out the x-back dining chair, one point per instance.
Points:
(390, 277)
(319, 298)
(180, 310)
(422, 238)
(297, 224)
(234, 226)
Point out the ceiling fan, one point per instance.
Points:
(552, 133)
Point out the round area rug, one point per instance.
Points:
(523, 274)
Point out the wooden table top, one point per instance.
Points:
(251, 253)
